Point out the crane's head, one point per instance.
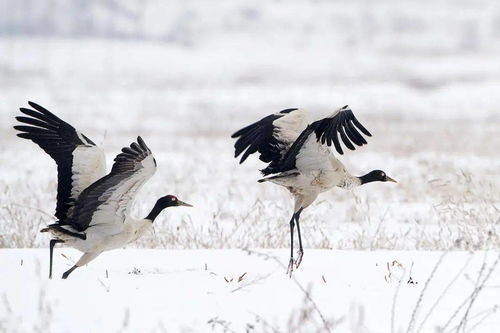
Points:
(376, 176)
(165, 202)
(171, 201)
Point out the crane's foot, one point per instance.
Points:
(68, 272)
(289, 271)
(300, 254)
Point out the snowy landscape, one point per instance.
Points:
(417, 256)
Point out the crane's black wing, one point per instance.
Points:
(271, 136)
(107, 201)
(327, 130)
(79, 161)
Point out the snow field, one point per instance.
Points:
(247, 290)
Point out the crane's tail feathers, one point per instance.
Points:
(279, 177)
(60, 230)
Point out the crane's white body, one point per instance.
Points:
(317, 168)
(103, 237)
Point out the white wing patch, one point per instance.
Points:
(89, 165)
(119, 198)
(313, 156)
(318, 162)
(288, 128)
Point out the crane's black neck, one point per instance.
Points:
(368, 178)
(157, 209)
(161, 204)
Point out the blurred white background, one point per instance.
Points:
(221, 59)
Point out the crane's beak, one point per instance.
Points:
(182, 203)
(389, 179)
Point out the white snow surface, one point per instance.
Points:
(248, 291)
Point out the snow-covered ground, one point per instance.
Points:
(248, 291)
(424, 78)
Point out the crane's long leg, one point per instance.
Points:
(52, 243)
(68, 272)
(300, 253)
(85, 259)
(290, 264)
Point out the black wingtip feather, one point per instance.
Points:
(39, 108)
(43, 110)
(361, 127)
(45, 116)
(35, 122)
(24, 135)
(288, 110)
(346, 141)
(136, 147)
(259, 137)
(353, 134)
(34, 130)
(127, 150)
(245, 130)
(336, 142)
(142, 143)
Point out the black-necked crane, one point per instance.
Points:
(300, 160)
(92, 208)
